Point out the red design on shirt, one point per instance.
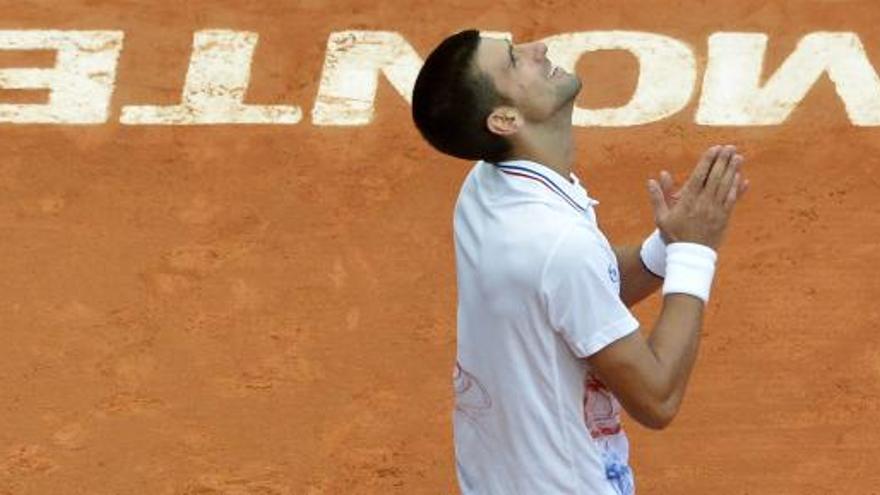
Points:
(601, 409)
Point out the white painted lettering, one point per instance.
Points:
(216, 84)
(350, 77)
(667, 74)
(80, 84)
(732, 94)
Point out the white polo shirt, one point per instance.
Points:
(538, 291)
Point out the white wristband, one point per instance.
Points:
(690, 268)
(653, 254)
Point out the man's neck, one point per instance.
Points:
(551, 145)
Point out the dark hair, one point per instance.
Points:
(452, 98)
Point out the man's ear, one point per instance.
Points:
(504, 121)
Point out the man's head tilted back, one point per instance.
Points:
(478, 98)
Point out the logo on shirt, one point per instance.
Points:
(471, 397)
(601, 409)
(613, 274)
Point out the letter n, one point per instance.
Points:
(350, 78)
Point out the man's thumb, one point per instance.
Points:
(657, 199)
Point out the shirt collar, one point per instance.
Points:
(570, 191)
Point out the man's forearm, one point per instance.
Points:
(636, 282)
(675, 342)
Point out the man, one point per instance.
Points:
(548, 351)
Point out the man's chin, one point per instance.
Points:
(572, 89)
(578, 84)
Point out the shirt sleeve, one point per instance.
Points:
(580, 284)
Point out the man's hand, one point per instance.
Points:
(699, 211)
(671, 196)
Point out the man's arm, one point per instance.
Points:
(636, 281)
(649, 376)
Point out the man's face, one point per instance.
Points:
(524, 74)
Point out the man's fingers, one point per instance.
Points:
(743, 187)
(667, 185)
(658, 201)
(666, 182)
(731, 196)
(726, 181)
(719, 168)
(698, 177)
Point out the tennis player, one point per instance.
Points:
(548, 352)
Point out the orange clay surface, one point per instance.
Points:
(271, 309)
